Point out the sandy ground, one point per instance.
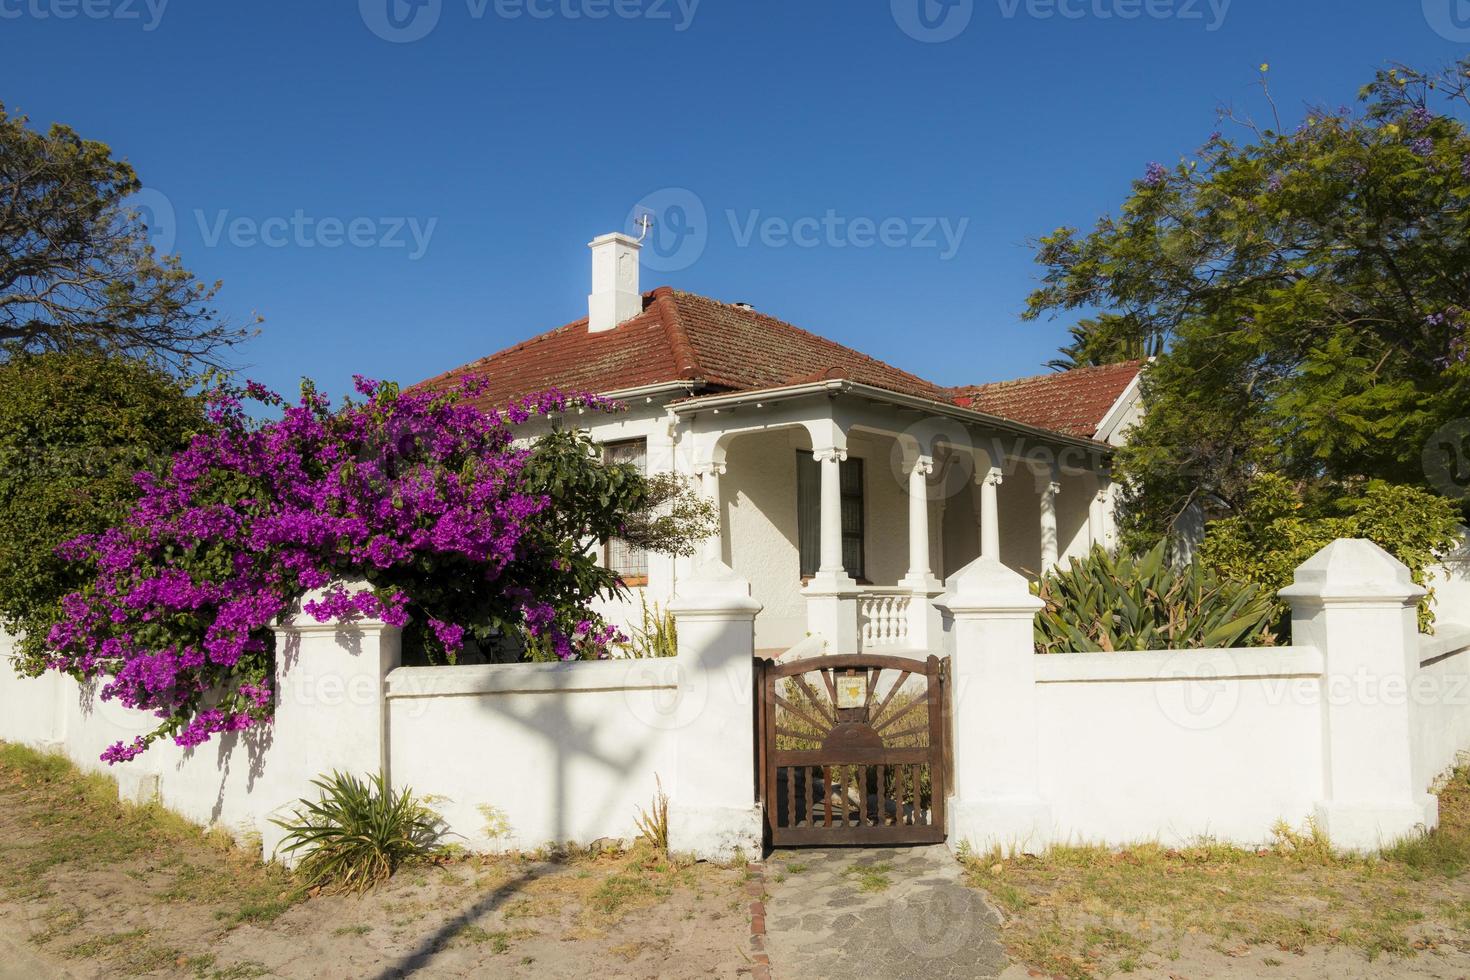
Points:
(506, 918)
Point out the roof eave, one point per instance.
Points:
(875, 393)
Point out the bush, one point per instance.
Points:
(74, 429)
(359, 833)
(1276, 531)
(1104, 604)
(459, 532)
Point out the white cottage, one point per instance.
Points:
(847, 488)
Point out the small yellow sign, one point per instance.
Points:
(852, 691)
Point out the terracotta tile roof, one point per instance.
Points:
(720, 347)
(680, 337)
(1074, 402)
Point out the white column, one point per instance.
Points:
(709, 474)
(990, 513)
(924, 622)
(713, 813)
(1048, 487)
(996, 797)
(832, 595)
(920, 571)
(1357, 604)
(1097, 533)
(830, 462)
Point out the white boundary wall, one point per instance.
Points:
(519, 755)
(1179, 745)
(1349, 727)
(511, 756)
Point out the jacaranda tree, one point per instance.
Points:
(1307, 289)
(415, 507)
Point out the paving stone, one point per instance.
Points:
(925, 924)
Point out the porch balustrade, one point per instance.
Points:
(883, 617)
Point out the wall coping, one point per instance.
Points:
(1452, 638)
(547, 678)
(1176, 665)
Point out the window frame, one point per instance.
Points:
(641, 579)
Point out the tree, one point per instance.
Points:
(1310, 289)
(74, 429)
(1108, 339)
(76, 266)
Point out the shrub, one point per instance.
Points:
(456, 529)
(1106, 604)
(74, 429)
(1276, 531)
(358, 833)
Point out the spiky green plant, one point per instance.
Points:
(358, 833)
(656, 636)
(653, 825)
(1103, 604)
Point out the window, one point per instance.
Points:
(629, 562)
(809, 514)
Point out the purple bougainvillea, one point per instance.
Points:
(406, 489)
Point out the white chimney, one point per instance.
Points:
(615, 296)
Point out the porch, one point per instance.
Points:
(846, 511)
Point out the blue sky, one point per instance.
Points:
(461, 173)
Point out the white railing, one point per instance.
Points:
(883, 618)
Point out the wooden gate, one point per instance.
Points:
(852, 750)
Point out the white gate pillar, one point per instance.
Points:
(1358, 604)
(995, 797)
(713, 813)
(331, 708)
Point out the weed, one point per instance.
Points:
(870, 877)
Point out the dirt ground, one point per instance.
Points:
(91, 888)
(1295, 909)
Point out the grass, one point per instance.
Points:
(870, 877)
(62, 826)
(1080, 912)
(497, 941)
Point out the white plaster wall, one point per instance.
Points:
(758, 494)
(886, 499)
(1073, 505)
(1019, 507)
(1178, 746)
(1441, 703)
(212, 785)
(516, 756)
(1451, 583)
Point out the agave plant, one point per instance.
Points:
(1102, 604)
(358, 833)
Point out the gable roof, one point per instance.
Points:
(717, 347)
(1073, 402)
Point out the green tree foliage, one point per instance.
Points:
(1108, 339)
(1310, 288)
(76, 265)
(1274, 533)
(1106, 604)
(74, 428)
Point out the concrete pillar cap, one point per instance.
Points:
(1352, 568)
(987, 586)
(714, 587)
